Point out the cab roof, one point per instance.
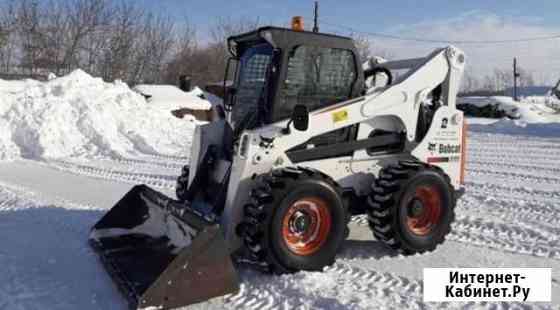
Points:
(285, 38)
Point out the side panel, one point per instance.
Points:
(443, 143)
(255, 160)
(339, 170)
(204, 136)
(362, 161)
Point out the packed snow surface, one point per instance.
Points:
(81, 116)
(509, 217)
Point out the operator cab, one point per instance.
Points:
(279, 68)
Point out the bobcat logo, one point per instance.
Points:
(432, 147)
(449, 149)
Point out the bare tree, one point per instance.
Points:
(3, 36)
(120, 52)
(222, 29)
(225, 27)
(84, 18)
(7, 36)
(206, 63)
(54, 31)
(118, 39)
(470, 82)
(28, 23)
(183, 58)
(367, 48)
(498, 81)
(525, 78)
(154, 48)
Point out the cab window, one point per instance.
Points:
(316, 77)
(251, 84)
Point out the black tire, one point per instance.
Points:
(182, 184)
(274, 195)
(396, 213)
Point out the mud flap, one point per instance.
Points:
(162, 255)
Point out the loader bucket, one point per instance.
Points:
(162, 258)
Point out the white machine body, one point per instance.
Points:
(393, 108)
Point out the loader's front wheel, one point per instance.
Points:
(411, 207)
(296, 220)
(182, 184)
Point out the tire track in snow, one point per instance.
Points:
(498, 157)
(505, 237)
(135, 162)
(129, 164)
(166, 159)
(516, 211)
(513, 193)
(513, 176)
(341, 286)
(513, 150)
(405, 292)
(544, 145)
(533, 170)
(513, 227)
(154, 180)
(259, 291)
(497, 138)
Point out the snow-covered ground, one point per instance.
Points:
(509, 216)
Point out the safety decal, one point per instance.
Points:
(433, 160)
(340, 116)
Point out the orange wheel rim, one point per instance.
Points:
(424, 211)
(306, 225)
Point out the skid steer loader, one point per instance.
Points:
(303, 147)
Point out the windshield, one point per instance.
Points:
(251, 82)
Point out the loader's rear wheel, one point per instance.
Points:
(182, 184)
(424, 210)
(296, 220)
(411, 207)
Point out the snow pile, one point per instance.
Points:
(537, 116)
(546, 104)
(81, 116)
(535, 109)
(171, 97)
(495, 106)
